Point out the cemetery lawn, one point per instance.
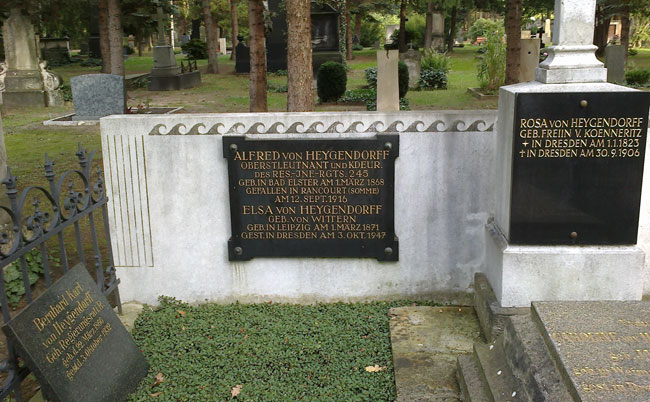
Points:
(269, 352)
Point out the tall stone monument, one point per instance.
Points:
(569, 177)
(26, 81)
(387, 81)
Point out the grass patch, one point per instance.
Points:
(277, 352)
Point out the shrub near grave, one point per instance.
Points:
(331, 81)
(196, 49)
(637, 77)
(434, 69)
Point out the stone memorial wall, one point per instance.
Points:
(172, 212)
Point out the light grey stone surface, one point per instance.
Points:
(164, 62)
(97, 95)
(19, 44)
(615, 63)
(529, 59)
(170, 214)
(387, 81)
(571, 59)
(412, 60)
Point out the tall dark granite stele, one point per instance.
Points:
(75, 344)
(578, 167)
(324, 35)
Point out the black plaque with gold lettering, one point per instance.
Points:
(578, 167)
(75, 344)
(312, 198)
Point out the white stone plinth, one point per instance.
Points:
(522, 274)
(387, 81)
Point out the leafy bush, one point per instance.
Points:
(371, 77)
(370, 33)
(331, 81)
(277, 88)
(357, 47)
(280, 73)
(482, 26)
(13, 276)
(492, 64)
(638, 77)
(90, 62)
(196, 49)
(403, 75)
(632, 51)
(359, 95)
(66, 90)
(432, 79)
(371, 104)
(433, 60)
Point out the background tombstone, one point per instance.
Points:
(412, 60)
(222, 46)
(242, 57)
(23, 83)
(529, 59)
(98, 95)
(615, 63)
(438, 32)
(387, 81)
(55, 50)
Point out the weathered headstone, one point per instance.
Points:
(387, 81)
(615, 63)
(97, 95)
(55, 50)
(529, 59)
(23, 83)
(75, 345)
(525, 34)
(602, 349)
(242, 57)
(222, 46)
(412, 60)
(438, 31)
(166, 75)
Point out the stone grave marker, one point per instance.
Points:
(615, 63)
(75, 344)
(242, 57)
(602, 348)
(529, 58)
(222, 46)
(387, 81)
(97, 95)
(412, 60)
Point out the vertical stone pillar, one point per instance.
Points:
(438, 32)
(387, 81)
(23, 82)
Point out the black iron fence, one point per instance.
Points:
(34, 237)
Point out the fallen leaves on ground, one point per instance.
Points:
(236, 390)
(156, 394)
(182, 313)
(375, 368)
(160, 378)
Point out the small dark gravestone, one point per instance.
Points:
(75, 344)
(97, 95)
(602, 349)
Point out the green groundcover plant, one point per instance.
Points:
(266, 352)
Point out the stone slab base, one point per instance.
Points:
(175, 82)
(571, 75)
(24, 99)
(522, 274)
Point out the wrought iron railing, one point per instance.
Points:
(36, 215)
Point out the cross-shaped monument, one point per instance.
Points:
(160, 17)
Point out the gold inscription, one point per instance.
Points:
(596, 137)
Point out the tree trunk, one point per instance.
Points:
(625, 29)
(217, 32)
(357, 25)
(115, 37)
(348, 35)
(402, 27)
(300, 94)
(234, 19)
(428, 28)
(104, 43)
(513, 44)
(213, 66)
(601, 31)
(452, 30)
(258, 56)
(181, 25)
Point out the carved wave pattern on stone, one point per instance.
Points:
(318, 127)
